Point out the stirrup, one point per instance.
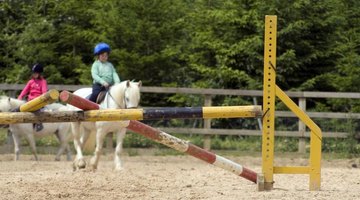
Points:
(38, 127)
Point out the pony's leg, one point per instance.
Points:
(100, 135)
(79, 161)
(119, 143)
(31, 140)
(66, 138)
(62, 146)
(16, 145)
(84, 137)
(68, 152)
(62, 135)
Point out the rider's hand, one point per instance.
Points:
(106, 85)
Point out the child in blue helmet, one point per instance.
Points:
(102, 71)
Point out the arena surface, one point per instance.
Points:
(166, 177)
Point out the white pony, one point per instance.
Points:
(61, 130)
(120, 96)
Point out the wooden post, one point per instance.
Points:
(302, 127)
(207, 124)
(12, 93)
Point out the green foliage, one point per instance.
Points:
(206, 44)
(47, 141)
(137, 141)
(199, 44)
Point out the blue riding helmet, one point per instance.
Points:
(37, 68)
(101, 47)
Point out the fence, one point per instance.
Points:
(208, 94)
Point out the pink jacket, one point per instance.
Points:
(35, 88)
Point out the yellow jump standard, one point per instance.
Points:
(271, 91)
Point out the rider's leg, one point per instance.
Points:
(39, 126)
(96, 89)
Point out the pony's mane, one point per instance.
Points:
(117, 90)
(120, 86)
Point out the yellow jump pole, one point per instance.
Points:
(131, 114)
(39, 102)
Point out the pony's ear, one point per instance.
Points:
(139, 83)
(127, 83)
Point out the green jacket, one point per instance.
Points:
(104, 72)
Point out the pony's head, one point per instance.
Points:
(132, 94)
(127, 94)
(7, 104)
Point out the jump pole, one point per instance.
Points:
(77, 101)
(131, 114)
(49, 97)
(125, 114)
(191, 149)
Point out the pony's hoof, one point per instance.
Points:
(79, 164)
(118, 168)
(93, 164)
(93, 168)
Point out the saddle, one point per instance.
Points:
(101, 97)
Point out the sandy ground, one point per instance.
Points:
(165, 177)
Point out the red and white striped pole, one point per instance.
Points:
(79, 102)
(186, 147)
